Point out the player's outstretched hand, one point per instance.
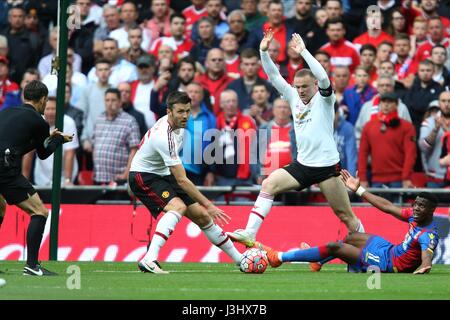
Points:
(350, 181)
(219, 216)
(267, 39)
(297, 43)
(423, 270)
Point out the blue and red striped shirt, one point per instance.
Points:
(407, 256)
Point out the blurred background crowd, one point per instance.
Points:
(126, 56)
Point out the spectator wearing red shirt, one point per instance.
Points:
(324, 59)
(159, 25)
(384, 51)
(427, 9)
(341, 51)
(180, 44)
(368, 54)
(6, 86)
(436, 36)
(193, 13)
(282, 33)
(390, 142)
(419, 34)
(237, 135)
(403, 63)
(230, 46)
(374, 34)
(293, 64)
(215, 79)
(280, 148)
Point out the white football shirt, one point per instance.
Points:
(159, 149)
(313, 123)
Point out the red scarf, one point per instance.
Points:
(388, 118)
(243, 156)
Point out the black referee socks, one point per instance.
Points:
(34, 238)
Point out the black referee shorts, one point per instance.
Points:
(16, 189)
(155, 191)
(307, 176)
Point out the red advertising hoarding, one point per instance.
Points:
(119, 233)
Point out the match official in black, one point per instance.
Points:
(23, 129)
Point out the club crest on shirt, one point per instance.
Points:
(165, 194)
(301, 116)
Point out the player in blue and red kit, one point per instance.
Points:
(361, 250)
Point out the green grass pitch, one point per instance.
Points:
(205, 281)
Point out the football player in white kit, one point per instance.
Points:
(312, 104)
(157, 177)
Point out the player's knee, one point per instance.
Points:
(177, 206)
(269, 186)
(42, 212)
(202, 220)
(333, 247)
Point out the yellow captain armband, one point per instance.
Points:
(431, 250)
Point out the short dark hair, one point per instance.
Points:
(188, 60)
(177, 15)
(260, 84)
(401, 36)
(113, 91)
(32, 71)
(35, 91)
(334, 21)
(439, 46)
(368, 47)
(427, 62)
(324, 53)
(176, 97)
(249, 53)
(430, 197)
(387, 43)
(102, 60)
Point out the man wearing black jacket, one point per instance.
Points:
(23, 129)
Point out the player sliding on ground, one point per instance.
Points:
(312, 104)
(362, 250)
(157, 177)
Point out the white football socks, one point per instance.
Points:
(216, 236)
(360, 227)
(164, 229)
(260, 210)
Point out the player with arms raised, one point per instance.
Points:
(361, 250)
(312, 104)
(157, 177)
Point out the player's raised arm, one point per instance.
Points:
(269, 66)
(378, 202)
(316, 68)
(217, 214)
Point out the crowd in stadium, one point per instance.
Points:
(138, 51)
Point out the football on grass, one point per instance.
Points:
(254, 261)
